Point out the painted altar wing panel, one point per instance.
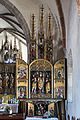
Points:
(21, 79)
(59, 79)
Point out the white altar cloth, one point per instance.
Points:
(35, 118)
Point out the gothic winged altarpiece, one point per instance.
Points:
(41, 83)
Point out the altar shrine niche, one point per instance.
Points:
(40, 79)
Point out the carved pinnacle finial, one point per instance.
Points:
(2, 45)
(5, 34)
(49, 25)
(42, 8)
(41, 16)
(10, 44)
(32, 32)
(15, 47)
(20, 49)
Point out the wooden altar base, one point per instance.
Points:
(11, 117)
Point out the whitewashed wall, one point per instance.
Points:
(73, 43)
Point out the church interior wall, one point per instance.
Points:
(73, 44)
(72, 23)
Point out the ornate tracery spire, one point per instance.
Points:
(41, 42)
(10, 51)
(5, 35)
(2, 46)
(10, 44)
(15, 46)
(33, 40)
(49, 41)
(49, 26)
(41, 19)
(20, 50)
(6, 43)
(2, 52)
(32, 27)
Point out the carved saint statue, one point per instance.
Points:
(0, 84)
(48, 87)
(7, 80)
(30, 111)
(34, 86)
(40, 85)
(0, 81)
(11, 81)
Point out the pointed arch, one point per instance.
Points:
(62, 21)
(18, 16)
